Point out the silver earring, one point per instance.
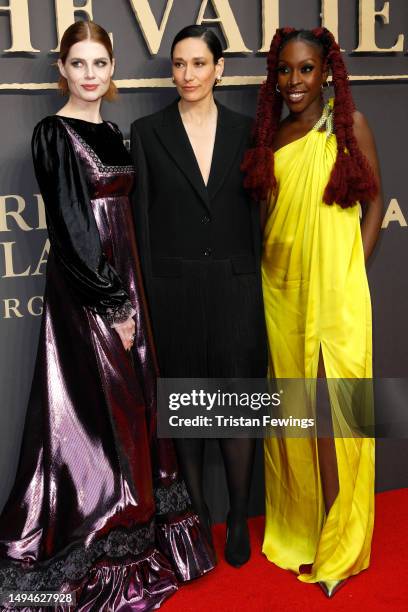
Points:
(277, 88)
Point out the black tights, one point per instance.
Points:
(238, 457)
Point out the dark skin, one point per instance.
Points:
(301, 68)
(301, 74)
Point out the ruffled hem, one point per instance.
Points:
(183, 542)
(138, 586)
(119, 586)
(108, 577)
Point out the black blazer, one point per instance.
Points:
(194, 242)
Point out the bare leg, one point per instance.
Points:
(326, 445)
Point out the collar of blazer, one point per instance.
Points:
(231, 129)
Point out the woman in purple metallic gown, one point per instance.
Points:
(97, 507)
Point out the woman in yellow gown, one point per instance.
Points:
(312, 169)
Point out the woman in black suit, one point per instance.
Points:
(199, 242)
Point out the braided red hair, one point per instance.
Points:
(352, 178)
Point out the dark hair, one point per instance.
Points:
(199, 31)
(306, 36)
(77, 32)
(352, 178)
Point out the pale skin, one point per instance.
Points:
(194, 74)
(301, 74)
(88, 70)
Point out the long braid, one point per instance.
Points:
(352, 178)
(258, 163)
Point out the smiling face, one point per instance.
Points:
(301, 74)
(194, 70)
(88, 70)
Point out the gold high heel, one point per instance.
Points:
(330, 587)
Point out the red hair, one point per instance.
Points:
(77, 32)
(352, 178)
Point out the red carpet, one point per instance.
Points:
(260, 586)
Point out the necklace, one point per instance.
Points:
(326, 119)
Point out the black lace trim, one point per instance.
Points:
(119, 314)
(172, 499)
(77, 563)
(102, 168)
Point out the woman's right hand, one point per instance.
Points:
(126, 333)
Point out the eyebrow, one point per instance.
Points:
(96, 59)
(178, 59)
(308, 59)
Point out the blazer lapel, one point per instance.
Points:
(173, 136)
(228, 138)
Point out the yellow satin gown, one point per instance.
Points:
(316, 296)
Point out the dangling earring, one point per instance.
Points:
(277, 88)
(173, 79)
(218, 79)
(325, 85)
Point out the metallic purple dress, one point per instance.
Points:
(97, 506)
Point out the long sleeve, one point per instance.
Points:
(72, 228)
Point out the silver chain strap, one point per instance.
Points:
(326, 119)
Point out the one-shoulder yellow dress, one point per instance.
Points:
(316, 297)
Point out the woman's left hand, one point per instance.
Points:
(126, 333)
